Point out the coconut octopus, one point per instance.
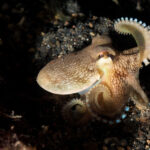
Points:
(104, 77)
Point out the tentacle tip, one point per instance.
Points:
(74, 111)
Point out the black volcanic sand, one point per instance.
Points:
(32, 34)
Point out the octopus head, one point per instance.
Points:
(105, 61)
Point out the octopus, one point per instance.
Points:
(104, 77)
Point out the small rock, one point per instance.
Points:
(42, 33)
(123, 142)
(104, 148)
(66, 23)
(90, 25)
(147, 147)
(94, 17)
(120, 148)
(92, 33)
(148, 142)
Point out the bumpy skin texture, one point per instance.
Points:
(116, 73)
(118, 84)
(74, 72)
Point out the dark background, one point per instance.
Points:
(41, 125)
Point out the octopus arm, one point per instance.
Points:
(137, 94)
(140, 33)
(100, 101)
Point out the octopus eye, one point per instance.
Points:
(105, 54)
(102, 54)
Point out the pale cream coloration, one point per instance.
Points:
(74, 72)
(75, 111)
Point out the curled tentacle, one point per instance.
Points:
(75, 112)
(137, 94)
(101, 104)
(140, 33)
(100, 101)
(97, 99)
(110, 95)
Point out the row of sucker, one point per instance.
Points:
(140, 32)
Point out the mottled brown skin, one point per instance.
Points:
(117, 72)
(120, 76)
(135, 56)
(122, 82)
(74, 72)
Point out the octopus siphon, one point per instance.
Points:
(104, 77)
